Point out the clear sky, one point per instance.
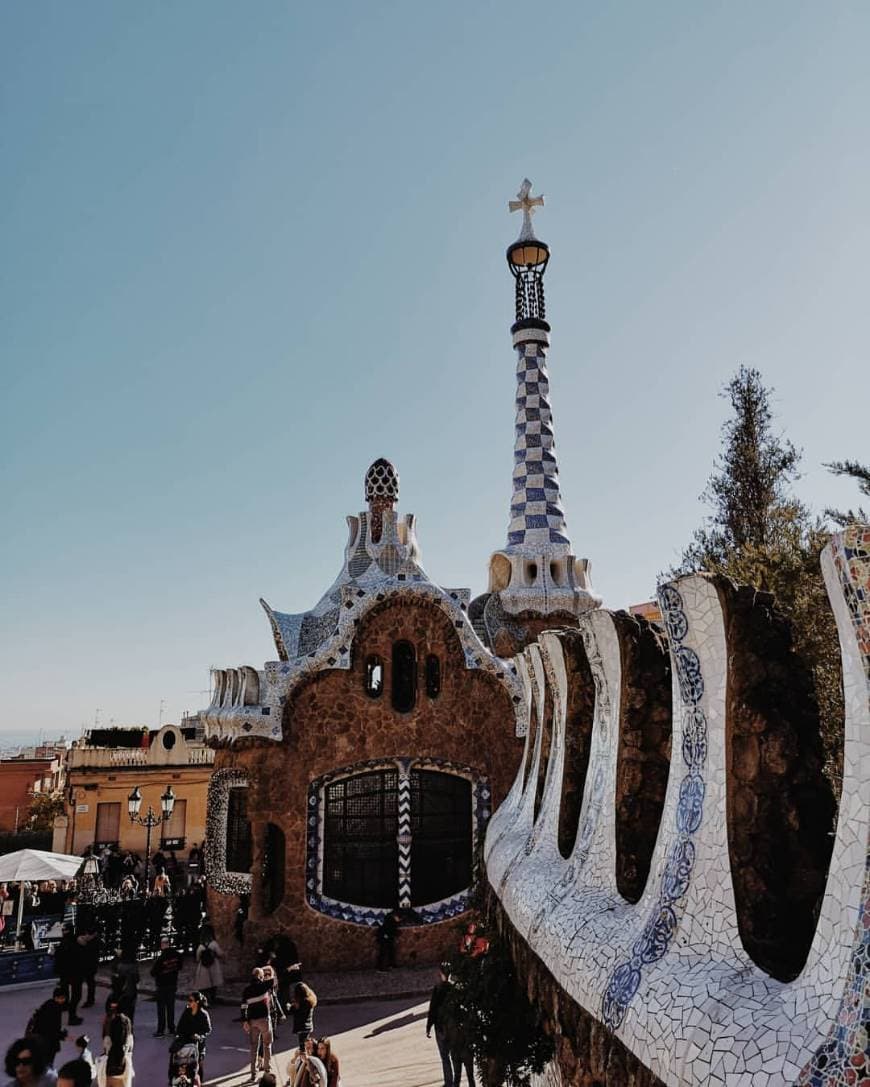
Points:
(249, 247)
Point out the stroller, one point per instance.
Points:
(184, 1066)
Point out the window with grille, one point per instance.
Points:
(360, 828)
(360, 853)
(238, 831)
(441, 814)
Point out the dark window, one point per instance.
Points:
(238, 831)
(274, 848)
(374, 677)
(360, 851)
(404, 677)
(433, 676)
(169, 740)
(532, 572)
(440, 836)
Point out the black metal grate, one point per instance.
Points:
(441, 825)
(239, 846)
(360, 854)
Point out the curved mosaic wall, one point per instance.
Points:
(668, 975)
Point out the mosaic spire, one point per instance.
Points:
(536, 571)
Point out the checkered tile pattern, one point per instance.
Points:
(537, 518)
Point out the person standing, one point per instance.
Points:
(89, 952)
(387, 935)
(165, 971)
(302, 1005)
(438, 1019)
(193, 864)
(256, 1010)
(68, 965)
(330, 1062)
(209, 974)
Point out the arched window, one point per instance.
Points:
(238, 856)
(360, 850)
(274, 848)
(433, 676)
(374, 676)
(404, 677)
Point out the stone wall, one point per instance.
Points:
(329, 723)
(643, 759)
(781, 809)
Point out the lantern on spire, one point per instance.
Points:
(527, 259)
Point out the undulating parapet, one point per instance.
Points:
(746, 956)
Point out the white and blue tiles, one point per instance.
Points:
(669, 975)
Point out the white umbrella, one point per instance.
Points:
(33, 865)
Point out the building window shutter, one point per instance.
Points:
(108, 823)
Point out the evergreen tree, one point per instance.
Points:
(861, 473)
(760, 534)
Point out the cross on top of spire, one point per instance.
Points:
(526, 203)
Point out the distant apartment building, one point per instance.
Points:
(108, 763)
(31, 771)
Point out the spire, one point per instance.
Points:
(536, 571)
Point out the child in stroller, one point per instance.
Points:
(184, 1066)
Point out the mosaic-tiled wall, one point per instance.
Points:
(668, 975)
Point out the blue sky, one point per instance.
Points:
(248, 248)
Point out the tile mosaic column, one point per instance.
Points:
(536, 571)
(404, 835)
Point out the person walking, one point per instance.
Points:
(302, 1005)
(115, 1068)
(209, 975)
(27, 1064)
(257, 997)
(194, 1026)
(165, 970)
(46, 1023)
(438, 1019)
(125, 980)
(68, 965)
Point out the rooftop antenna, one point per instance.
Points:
(160, 715)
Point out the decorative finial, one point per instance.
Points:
(382, 483)
(526, 203)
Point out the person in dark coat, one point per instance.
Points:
(165, 970)
(89, 955)
(47, 1023)
(439, 1019)
(194, 1025)
(387, 935)
(125, 980)
(69, 967)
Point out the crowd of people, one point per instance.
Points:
(275, 995)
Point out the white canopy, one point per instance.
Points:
(37, 864)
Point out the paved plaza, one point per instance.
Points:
(380, 1043)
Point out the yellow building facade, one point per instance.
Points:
(104, 768)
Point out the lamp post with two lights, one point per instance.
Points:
(150, 820)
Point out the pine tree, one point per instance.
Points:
(861, 473)
(760, 534)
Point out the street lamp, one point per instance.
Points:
(150, 820)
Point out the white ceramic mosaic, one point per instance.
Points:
(248, 702)
(669, 975)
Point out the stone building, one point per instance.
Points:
(357, 772)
